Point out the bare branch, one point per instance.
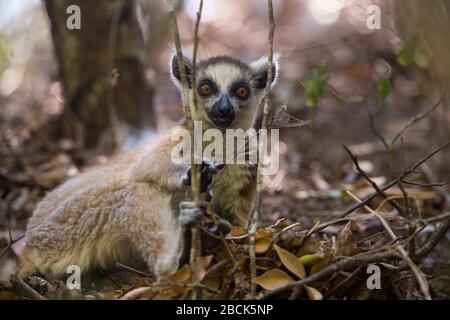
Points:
(257, 202)
(426, 185)
(417, 118)
(437, 236)
(179, 51)
(196, 246)
(437, 218)
(10, 243)
(33, 294)
(190, 106)
(139, 272)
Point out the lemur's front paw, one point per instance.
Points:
(190, 214)
(208, 171)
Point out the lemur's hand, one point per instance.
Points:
(208, 171)
(190, 214)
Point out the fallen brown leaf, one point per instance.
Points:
(291, 262)
(313, 293)
(273, 279)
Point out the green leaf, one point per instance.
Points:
(406, 55)
(315, 86)
(421, 58)
(384, 88)
(412, 53)
(310, 258)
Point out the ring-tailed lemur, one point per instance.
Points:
(128, 209)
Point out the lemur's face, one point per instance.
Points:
(228, 90)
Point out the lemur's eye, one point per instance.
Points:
(205, 89)
(242, 92)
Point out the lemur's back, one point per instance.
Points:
(115, 171)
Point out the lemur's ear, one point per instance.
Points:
(175, 71)
(260, 69)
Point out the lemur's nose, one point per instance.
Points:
(222, 112)
(225, 107)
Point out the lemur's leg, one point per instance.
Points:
(152, 227)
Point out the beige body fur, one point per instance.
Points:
(120, 212)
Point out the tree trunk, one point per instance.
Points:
(102, 69)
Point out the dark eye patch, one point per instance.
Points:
(209, 82)
(237, 85)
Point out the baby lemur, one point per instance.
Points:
(129, 209)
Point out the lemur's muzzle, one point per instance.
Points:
(222, 112)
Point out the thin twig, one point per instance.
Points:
(437, 218)
(282, 231)
(10, 243)
(417, 118)
(180, 59)
(128, 268)
(33, 294)
(112, 44)
(375, 130)
(190, 110)
(407, 212)
(435, 238)
(380, 137)
(259, 177)
(343, 283)
(183, 285)
(425, 185)
(218, 266)
(196, 168)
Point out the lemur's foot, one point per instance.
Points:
(208, 171)
(211, 233)
(223, 227)
(190, 214)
